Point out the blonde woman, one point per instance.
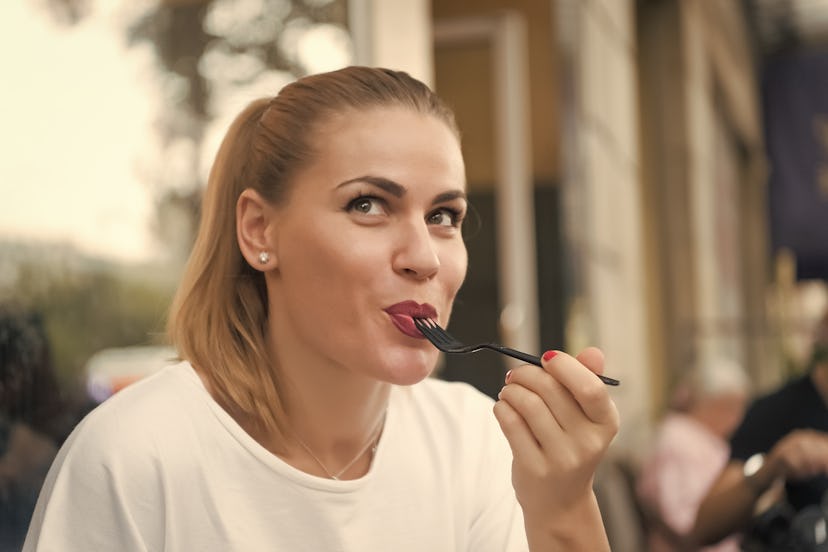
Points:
(301, 416)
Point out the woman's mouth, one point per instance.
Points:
(403, 315)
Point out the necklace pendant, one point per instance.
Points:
(371, 446)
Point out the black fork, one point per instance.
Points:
(447, 343)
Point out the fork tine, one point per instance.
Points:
(446, 337)
(433, 333)
(421, 325)
(437, 335)
(427, 327)
(427, 330)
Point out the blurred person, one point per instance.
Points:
(302, 416)
(779, 457)
(30, 409)
(689, 450)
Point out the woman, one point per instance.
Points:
(302, 417)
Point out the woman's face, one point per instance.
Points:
(368, 237)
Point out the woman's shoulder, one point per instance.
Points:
(145, 411)
(170, 383)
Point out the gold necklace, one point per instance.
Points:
(371, 444)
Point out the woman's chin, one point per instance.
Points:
(411, 367)
(411, 378)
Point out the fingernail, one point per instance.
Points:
(549, 355)
(508, 376)
(500, 392)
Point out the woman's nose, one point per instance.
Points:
(416, 254)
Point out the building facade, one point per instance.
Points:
(615, 153)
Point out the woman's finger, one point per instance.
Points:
(534, 411)
(520, 437)
(589, 391)
(592, 358)
(555, 398)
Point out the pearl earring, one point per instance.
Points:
(264, 257)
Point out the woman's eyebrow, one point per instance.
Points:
(449, 196)
(396, 190)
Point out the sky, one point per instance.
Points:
(76, 119)
(76, 114)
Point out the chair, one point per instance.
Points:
(627, 520)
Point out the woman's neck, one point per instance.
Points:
(335, 428)
(334, 415)
(333, 411)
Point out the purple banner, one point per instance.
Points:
(795, 102)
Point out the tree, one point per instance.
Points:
(206, 50)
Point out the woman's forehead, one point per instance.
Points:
(358, 117)
(387, 132)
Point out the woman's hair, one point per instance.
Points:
(218, 318)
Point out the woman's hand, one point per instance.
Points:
(559, 422)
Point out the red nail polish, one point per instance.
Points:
(549, 355)
(508, 376)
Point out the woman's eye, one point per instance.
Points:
(444, 217)
(366, 205)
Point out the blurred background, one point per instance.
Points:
(649, 176)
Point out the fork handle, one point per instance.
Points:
(532, 359)
(520, 355)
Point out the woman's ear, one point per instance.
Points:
(253, 224)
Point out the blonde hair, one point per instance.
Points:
(218, 317)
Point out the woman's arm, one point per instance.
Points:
(559, 422)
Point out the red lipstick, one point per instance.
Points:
(402, 315)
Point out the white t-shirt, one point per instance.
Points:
(161, 466)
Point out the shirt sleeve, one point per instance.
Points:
(97, 495)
